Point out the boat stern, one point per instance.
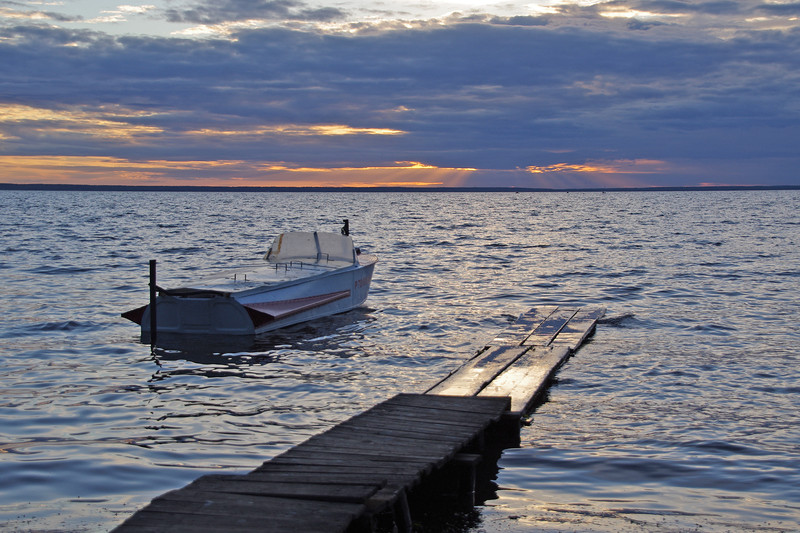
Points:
(208, 314)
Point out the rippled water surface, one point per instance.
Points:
(681, 414)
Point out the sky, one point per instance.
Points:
(544, 94)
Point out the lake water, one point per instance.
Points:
(681, 414)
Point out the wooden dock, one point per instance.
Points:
(519, 362)
(364, 469)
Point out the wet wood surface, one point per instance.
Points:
(521, 360)
(341, 479)
(361, 466)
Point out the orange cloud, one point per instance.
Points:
(402, 174)
(120, 171)
(114, 122)
(611, 173)
(102, 122)
(399, 165)
(296, 130)
(621, 166)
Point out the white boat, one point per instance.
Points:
(307, 275)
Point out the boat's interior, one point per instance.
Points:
(314, 247)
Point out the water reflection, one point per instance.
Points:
(198, 348)
(699, 346)
(331, 334)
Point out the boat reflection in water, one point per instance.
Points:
(327, 334)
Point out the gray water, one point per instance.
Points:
(680, 414)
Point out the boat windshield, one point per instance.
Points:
(314, 247)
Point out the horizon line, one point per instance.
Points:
(267, 188)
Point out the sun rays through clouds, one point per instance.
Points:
(571, 94)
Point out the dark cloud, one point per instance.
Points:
(220, 11)
(483, 95)
(21, 11)
(636, 24)
(660, 12)
(782, 9)
(722, 7)
(521, 20)
(59, 17)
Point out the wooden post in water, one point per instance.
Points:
(153, 294)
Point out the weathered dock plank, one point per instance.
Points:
(473, 376)
(409, 427)
(526, 356)
(525, 381)
(255, 484)
(578, 329)
(187, 510)
(546, 332)
(516, 333)
(348, 472)
(445, 406)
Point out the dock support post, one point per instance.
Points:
(153, 294)
(402, 513)
(466, 465)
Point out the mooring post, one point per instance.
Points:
(466, 465)
(402, 513)
(153, 294)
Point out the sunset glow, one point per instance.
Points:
(117, 171)
(298, 130)
(609, 167)
(571, 94)
(101, 123)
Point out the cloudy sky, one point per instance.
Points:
(411, 92)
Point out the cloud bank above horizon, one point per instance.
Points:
(625, 93)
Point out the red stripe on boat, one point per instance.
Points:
(262, 312)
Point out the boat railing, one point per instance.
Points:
(191, 293)
(290, 265)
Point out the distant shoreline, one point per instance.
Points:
(201, 188)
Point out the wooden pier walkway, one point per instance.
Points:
(348, 477)
(519, 362)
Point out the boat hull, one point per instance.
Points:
(259, 310)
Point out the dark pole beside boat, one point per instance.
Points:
(153, 307)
